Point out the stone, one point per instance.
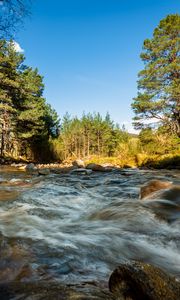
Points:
(153, 186)
(141, 281)
(81, 171)
(96, 167)
(30, 167)
(8, 195)
(43, 171)
(78, 163)
(163, 198)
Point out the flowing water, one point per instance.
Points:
(73, 228)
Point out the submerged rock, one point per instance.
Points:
(44, 290)
(6, 195)
(141, 281)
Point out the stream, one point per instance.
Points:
(74, 229)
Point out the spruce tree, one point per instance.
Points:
(159, 82)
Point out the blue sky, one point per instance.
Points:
(88, 51)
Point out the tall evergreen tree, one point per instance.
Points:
(26, 120)
(10, 64)
(31, 105)
(159, 82)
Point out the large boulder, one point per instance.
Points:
(141, 281)
(78, 163)
(163, 198)
(153, 186)
(160, 190)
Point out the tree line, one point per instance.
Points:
(89, 135)
(99, 138)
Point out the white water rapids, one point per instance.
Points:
(78, 228)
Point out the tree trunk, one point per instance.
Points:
(88, 144)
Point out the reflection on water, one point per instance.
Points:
(75, 228)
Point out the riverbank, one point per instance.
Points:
(138, 161)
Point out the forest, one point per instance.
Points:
(31, 130)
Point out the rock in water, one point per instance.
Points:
(43, 171)
(81, 171)
(161, 190)
(30, 167)
(141, 281)
(78, 163)
(153, 186)
(8, 195)
(96, 167)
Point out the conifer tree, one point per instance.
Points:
(10, 62)
(31, 105)
(26, 120)
(159, 82)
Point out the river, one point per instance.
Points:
(73, 228)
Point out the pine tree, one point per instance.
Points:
(31, 105)
(36, 120)
(26, 120)
(159, 82)
(10, 63)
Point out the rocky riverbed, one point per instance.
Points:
(64, 234)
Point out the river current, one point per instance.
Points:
(73, 228)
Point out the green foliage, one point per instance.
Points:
(90, 135)
(99, 140)
(159, 83)
(26, 120)
(158, 141)
(162, 162)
